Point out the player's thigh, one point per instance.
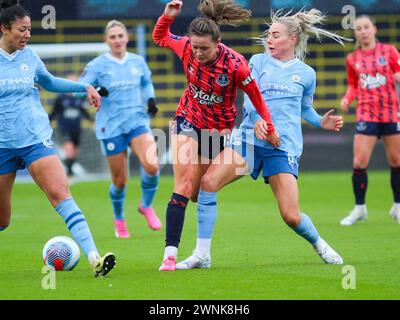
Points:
(49, 174)
(392, 148)
(118, 165)
(145, 148)
(6, 184)
(362, 150)
(285, 189)
(226, 167)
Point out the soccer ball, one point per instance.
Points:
(61, 253)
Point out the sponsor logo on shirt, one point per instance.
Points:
(15, 84)
(203, 97)
(223, 80)
(24, 67)
(369, 82)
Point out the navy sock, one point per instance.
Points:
(360, 183)
(175, 218)
(395, 182)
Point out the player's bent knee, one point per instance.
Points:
(209, 184)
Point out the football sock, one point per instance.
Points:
(360, 183)
(206, 215)
(76, 224)
(395, 182)
(117, 197)
(175, 219)
(149, 187)
(306, 229)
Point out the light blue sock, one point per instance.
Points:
(149, 187)
(76, 224)
(117, 197)
(206, 214)
(306, 229)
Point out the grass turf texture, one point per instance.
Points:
(255, 255)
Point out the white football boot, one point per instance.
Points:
(196, 260)
(359, 213)
(327, 254)
(395, 212)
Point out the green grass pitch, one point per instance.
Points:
(255, 255)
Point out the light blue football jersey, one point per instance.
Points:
(288, 88)
(23, 120)
(128, 82)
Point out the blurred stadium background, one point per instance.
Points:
(82, 22)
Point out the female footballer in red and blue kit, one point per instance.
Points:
(372, 70)
(214, 73)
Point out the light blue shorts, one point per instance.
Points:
(270, 161)
(118, 144)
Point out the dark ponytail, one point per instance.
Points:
(10, 10)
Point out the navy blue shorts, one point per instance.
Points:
(377, 129)
(270, 161)
(12, 160)
(210, 142)
(118, 144)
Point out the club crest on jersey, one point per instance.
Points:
(382, 61)
(24, 67)
(296, 78)
(134, 71)
(190, 69)
(223, 80)
(357, 65)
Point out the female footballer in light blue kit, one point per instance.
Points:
(123, 121)
(287, 85)
(25, 131)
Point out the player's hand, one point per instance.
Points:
(152, 107)
(93, 97)
(331, 122)
(274, 139)
(173, 8)
(103, 92)
(344, 104)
